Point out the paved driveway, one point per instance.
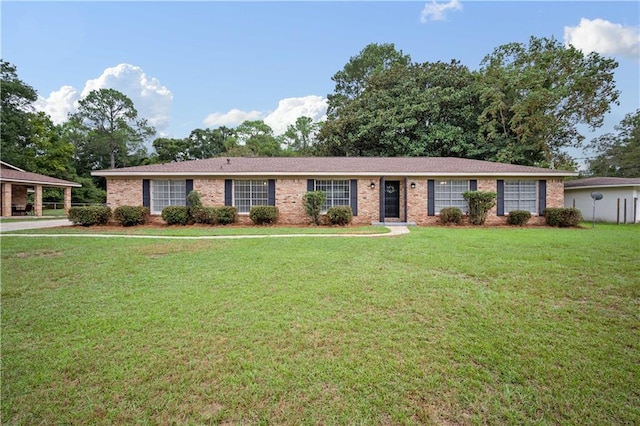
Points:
(10, 225)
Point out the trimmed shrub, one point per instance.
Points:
(562, 217)
(226, 215)
(451, 216)
(480, 202)
(518, 217)
(263, 215)
(131, 215)
(89, 215)
(313, 202)
(340, 215)
(204, 215)
(193, 199)
(176, 215)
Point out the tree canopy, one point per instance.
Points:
(114, 133)
(619, 152)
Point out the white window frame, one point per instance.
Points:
(173, 193)
(255, 192)
(448, 193)
(334, 189)
(520, 194)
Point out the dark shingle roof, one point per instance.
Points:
(602, 181)
(300, 166)
(19, 176)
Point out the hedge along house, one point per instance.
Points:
(619, 201)
(387, 190)
(16, 185)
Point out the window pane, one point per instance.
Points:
(337, 191)
(249, 193)
(521, 195)
(449, 194)
(167, 193)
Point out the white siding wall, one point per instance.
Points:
(607, 208)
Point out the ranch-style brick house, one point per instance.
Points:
(409, 190)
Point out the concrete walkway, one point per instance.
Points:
(395, 231)
(17, 225)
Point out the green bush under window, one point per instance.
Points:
(264, 215)
(451, 216)
(562, 217)
(131, 215)
(340, 215)
(518, 217)
(89, 215)
(176, 215)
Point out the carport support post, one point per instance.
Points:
(67, 200)
(38, 201)
(6, 199)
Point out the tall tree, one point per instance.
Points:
(16, 111)
(114, 133)
(257, 137)
(428, 109)
(352, 79)
(301, 136)
(536, 95)
(618, 153)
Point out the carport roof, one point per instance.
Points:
(11, 174)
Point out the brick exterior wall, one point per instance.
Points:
(289, 193)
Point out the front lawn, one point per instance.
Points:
(441, 326)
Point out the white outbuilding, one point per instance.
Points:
(619, 203)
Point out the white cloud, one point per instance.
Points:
(231, 118)
(150, 98)
(59, 103)
(436, 11)
(290, 109)
(603, 37)
(287, 112)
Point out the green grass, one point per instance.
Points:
(47, 214)
(205, 230)
(442, 326)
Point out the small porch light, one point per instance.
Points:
(413, 185)
(373, 185)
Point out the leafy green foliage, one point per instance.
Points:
(112, 132)
(619, 153)
(450, 216)
(352, 80)
(563, 217)
(480, 202)
(204, 215)
(313, 202)
(176, 215)
(227, 215)
(89, 215)
(300, 137)
(131, 215)
(340, 215)
(193, 199)
(264, 215)
(518, 217)
(536, 95)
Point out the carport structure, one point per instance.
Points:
(16, 184)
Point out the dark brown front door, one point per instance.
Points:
(392, 199)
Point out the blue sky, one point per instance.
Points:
(202, 64)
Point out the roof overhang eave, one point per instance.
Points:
(47, 184)
(336, 173)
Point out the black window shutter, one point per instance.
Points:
(542, 196)
(228, 192)
(271, 197)
(354, 197)
(146, 193)
(431, 197)
(500, 205)
(188, 189)
(473, 185)
(311, 185)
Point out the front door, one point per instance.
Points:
(392, 199)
